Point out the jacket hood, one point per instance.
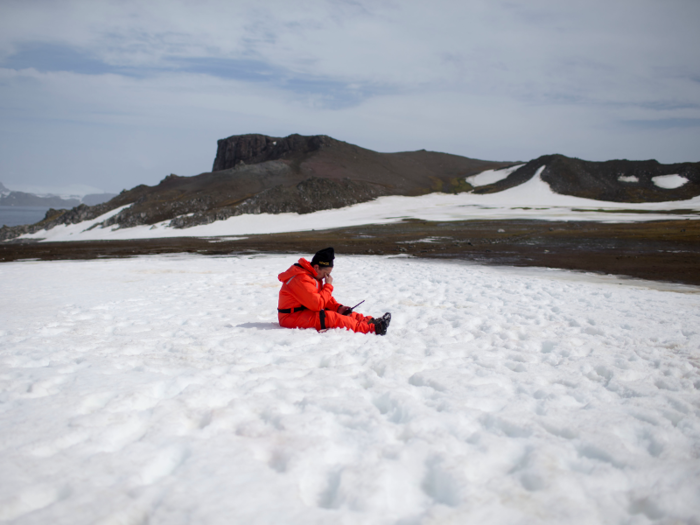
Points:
(303, 266)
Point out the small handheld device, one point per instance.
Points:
(358, 304)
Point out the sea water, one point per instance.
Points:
(17, 215)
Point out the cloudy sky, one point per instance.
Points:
(105, 95)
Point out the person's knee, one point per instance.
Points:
(332, 319)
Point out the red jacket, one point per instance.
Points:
(301, 288)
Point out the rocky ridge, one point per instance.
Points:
(255, 174)
(612, 181)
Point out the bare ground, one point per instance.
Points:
(661, 251)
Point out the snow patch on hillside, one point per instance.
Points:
(669, 182)
(491, 176)
(628, 178)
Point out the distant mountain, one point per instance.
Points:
(255, 174)
(20, 198)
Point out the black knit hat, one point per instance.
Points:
(324, 258)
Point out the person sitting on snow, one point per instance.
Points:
(306, 301)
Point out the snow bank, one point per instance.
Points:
(160, 390)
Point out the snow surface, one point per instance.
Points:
(669, 182)
(161, 390)
(491, 176)
(531, 200)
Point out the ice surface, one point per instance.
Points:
(161, 390)
(531, 200)
(669, 182)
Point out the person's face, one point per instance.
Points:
(322, 273)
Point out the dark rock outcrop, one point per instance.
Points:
(308, 196)
(601, 180)
(255, 148)
(612, 181)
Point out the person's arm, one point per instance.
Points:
(332, 304)
(305, 291)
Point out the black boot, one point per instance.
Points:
(382, 324)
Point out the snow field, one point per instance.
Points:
(161, 390)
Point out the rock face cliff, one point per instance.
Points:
(255, 149)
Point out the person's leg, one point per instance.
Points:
(303, 319)
(354, 322)
(379, 324)
(359, 317)
(310, 319)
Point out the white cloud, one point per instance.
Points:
(157, 83)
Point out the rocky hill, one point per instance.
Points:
(260, 174)
(255, 174)
(613, 180)
(295, 174)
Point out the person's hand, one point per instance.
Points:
(344, 310)
(329, 279)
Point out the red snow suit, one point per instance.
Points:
(308, 303)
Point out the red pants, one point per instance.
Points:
(310, 319)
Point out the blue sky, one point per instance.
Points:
(105, 95)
